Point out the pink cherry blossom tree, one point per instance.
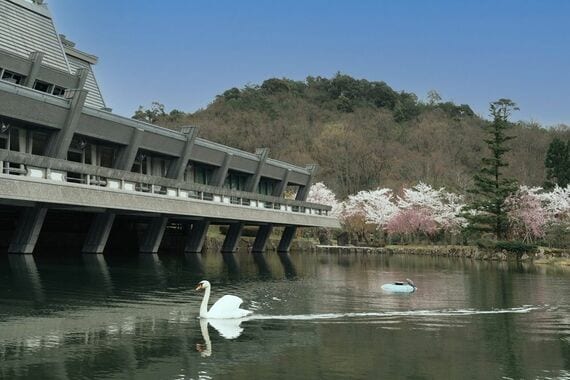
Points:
(527, 215)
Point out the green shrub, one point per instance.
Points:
(514, 246)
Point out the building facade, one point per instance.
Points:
(62, 148)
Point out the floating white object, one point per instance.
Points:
(407, 286)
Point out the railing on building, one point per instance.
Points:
(57, 170)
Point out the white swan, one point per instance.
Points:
(226, 307)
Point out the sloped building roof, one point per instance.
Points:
(27, 26)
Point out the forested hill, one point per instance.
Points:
(362, 134)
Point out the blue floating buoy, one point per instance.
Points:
(407, 286)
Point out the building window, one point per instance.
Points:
(235, 181)
(266, 186)
(12, 77)
(42, 86)
(58, 91)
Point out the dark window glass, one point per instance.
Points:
(107, 156)
(58, 91)
(42, 86)
(12, 77)
(39, 142)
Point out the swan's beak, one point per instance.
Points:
(198, 287)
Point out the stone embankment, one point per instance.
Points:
(468, 252)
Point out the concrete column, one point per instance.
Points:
(289, 232)
(287, 239)
(28, 230)
(59, 144)
(99, 233)
(36, 58)
(279, 190)
(236, 229)
(154, 234)
(261, 238)
(197, 236)
(264, 232)
(253, 181)
(219, 176)
(157, 227)
(177, 169)
(232, 237)
(102, 223)
(128, 154)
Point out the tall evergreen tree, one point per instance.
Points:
(557, 163)
(491, 188)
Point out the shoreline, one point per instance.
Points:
(541, 256)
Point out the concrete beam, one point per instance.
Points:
(253, 181)
(221, 172)
(128, 154)
(177, 169)
(59, 143)
(36, 58)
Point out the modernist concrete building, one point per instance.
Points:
(61, 148)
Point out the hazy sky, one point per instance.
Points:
(184, 53)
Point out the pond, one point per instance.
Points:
(316, 316)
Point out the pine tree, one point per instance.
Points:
(557, 164)
(491, 188)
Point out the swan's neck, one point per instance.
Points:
(204, 305)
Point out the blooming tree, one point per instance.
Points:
(428, 210)
(527, 216)
(320, 193)
(557, 203)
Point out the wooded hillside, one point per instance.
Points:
(362, 134)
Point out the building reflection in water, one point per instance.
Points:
(151, 264)
(195, 263)
(231, 263)
(98, 270)
(261, 264)
(290, 271)
(27, 275)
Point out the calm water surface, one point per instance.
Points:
(316, 317)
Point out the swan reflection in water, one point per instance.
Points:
(227, 328)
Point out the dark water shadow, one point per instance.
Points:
(261, 263)
(98, 270)
(27, 275)
(152, 266)
(195, 263)
(288, 266)
(231, 264)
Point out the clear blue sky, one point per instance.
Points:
(184, 52)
